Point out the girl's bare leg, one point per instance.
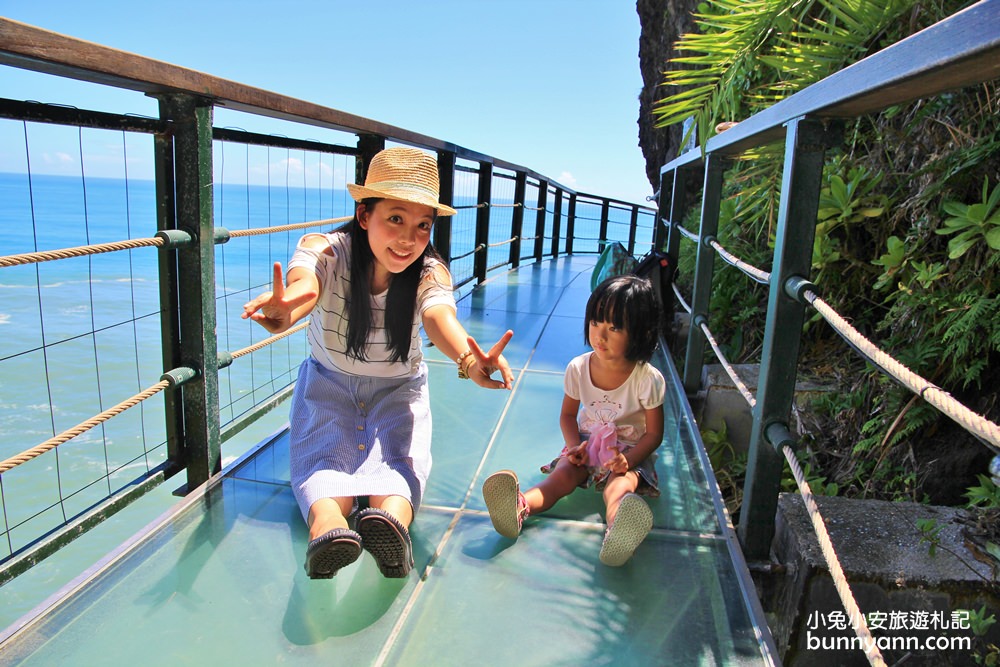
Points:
(615, 490)
(558, 484)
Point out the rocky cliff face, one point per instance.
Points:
(662, 23)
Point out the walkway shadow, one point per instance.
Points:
(350, 602)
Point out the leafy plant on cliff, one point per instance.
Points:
(907, 234)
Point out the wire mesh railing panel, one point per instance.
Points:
(501, 219)
(529, 232)
(79, 333)
(587, 228)
(645, 231)
(463, 223)
(257, 188)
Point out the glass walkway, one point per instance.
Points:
(220, 580)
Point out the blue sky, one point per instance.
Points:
(549, 84)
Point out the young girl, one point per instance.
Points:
(360, 416)
(611, 421)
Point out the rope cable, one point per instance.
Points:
(481, 246)
(500, 243)
(940, 399)
(854, 614)
(286, 228)
(82, 427)
(79, 251)
(760, 276)
(97, 248)
(680, 297)
(151, 391)
(690, 236)
(726, 365)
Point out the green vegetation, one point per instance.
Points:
(908, 234)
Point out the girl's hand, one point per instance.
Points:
(485, 364)
(577, 455)
(618, 464)
(271, 309)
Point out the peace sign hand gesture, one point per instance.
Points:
(485, 364)
(274, 310)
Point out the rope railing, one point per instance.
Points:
(170, 379)
(854, 615)
(270, 339)
(287, 228)
(478, 248)
(680, 297)
(497, 244)
(750, 270)
(156, 241)
(689, 235)
(980, 427)
(734, 376)
(82, 427)
(79, 251)
(857, 620)
(976, 424)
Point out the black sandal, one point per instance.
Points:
(387, 540)
(331, 551)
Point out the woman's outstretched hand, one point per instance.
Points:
(488, 363)
(272, 310)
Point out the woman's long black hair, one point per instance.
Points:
(400, 302)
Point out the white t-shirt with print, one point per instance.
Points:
(624, 406)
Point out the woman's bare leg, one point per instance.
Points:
(327, 514)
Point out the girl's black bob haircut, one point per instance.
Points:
(628, 302)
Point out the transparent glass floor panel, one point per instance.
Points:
(221, 580)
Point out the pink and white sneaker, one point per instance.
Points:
(506, 503)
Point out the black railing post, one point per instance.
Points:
(703, 272)
(570, 223)
(633, 224)
(442, 226)
(543, 201)
(191, 118)
(806, 141)
(677, 207)
(556, 221)
(483, 220)
(517, 217)
(170, 325)
(603, 233)
(368, 146)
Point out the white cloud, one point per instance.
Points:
(567, 179)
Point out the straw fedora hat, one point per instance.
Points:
(404, 174)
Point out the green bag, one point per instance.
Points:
(614, 261)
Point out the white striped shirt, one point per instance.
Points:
(327, 331)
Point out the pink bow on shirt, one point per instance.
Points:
(602, 446)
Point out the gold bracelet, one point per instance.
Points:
(463, 371)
